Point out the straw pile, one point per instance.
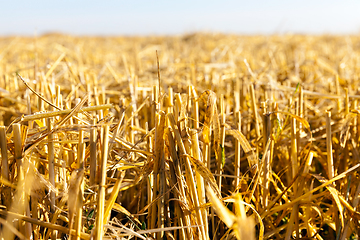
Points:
(202, 136)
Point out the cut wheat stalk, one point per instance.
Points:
(237, 160)
(330, 163)
(254, 110)
(181, 193)
(195, 148)
(159, 171)
(184, 148)
(99, 228)
(18, 155)
(6, 191)
(93, 153)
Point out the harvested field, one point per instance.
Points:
(199, 136)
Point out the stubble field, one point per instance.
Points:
(198, 136)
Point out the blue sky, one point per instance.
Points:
(134, 17)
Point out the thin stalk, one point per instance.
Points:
(159, 171)
(254, 110)
(222, 137)
(330, 161)
(51, 159)
(300, 113)
(191, 181)
(6, 191)
(150, 182)
(93, 142)
(113, 196)
(207, 162)
(294, 153)
(266, 156)
(19, 197)
(155, 181)
(79, 204)
(185, 218)
(189, 105)
(237, 151)
(188, 170)
(294, 166)
(99, 227)
(195, 148)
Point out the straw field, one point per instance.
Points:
(199, 136)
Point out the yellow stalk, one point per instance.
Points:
(6, 192)
(189, 173)
(254, 110)
(330, 162)
(195, 147)
(99, 226)
(93, 158)
(237, 151)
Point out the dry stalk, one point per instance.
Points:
(99, 226)
(6, 191)
(330, 163)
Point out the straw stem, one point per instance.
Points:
(330, 163)
(99, 226)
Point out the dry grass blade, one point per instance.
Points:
(335, 194)
(206, 174)
(329, 182)
(110, 203)
(37, 94)
(74, 189)
(223, 212)
(245, 145)
(300, 119)
(121, 209)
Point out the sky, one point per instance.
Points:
(145, 17)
